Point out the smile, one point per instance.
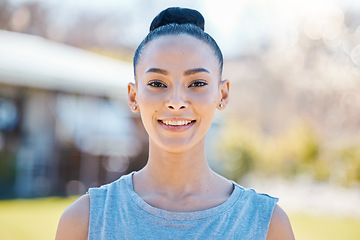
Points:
(176, 125)
(176, 122)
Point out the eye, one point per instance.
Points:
(157, 84)
(198, 84)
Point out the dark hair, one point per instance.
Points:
(176, 21)
(179, 16)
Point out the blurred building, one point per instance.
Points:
(64, 121)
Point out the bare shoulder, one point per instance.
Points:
(280, 227)
(74, 222)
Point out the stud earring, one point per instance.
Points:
(221, 105)
(134, 107)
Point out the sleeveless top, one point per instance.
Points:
(117, 212)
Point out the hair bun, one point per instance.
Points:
(178, 15)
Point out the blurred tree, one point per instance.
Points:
(238, 150)
(7, 172)
(100, 32)
(350, 160)
(5, 13)
(29, 17)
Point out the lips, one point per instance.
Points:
(176, 124)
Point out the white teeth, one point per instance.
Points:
(176, 123)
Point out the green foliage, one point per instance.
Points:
(349, 161)
(297, 150)
(7, 167)
(239, 151)
(7, 173)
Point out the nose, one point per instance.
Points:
(176, 101)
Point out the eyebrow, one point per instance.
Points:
(186, 73)
(157, 70)
(195, 70)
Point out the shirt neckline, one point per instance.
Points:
(169, 215)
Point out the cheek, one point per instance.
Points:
(149, 102)
(145, 96)
(208, 98)
(205, 106)
(204, 101)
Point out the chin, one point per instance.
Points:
(178, 146)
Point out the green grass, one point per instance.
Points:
(31, 219)
(38, 218)
(329, 227)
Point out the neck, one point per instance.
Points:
(180, 181)
(177, 172)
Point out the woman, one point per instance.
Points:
(177, 89)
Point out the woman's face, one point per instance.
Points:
(177, 91)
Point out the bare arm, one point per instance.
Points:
(280, 228)
(74, 222)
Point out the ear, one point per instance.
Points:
(224, 94)
(132, 91)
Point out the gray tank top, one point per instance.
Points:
(117, 212)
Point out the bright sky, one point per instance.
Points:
(238, 26)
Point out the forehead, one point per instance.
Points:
(176, 51)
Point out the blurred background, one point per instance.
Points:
(292, 128)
